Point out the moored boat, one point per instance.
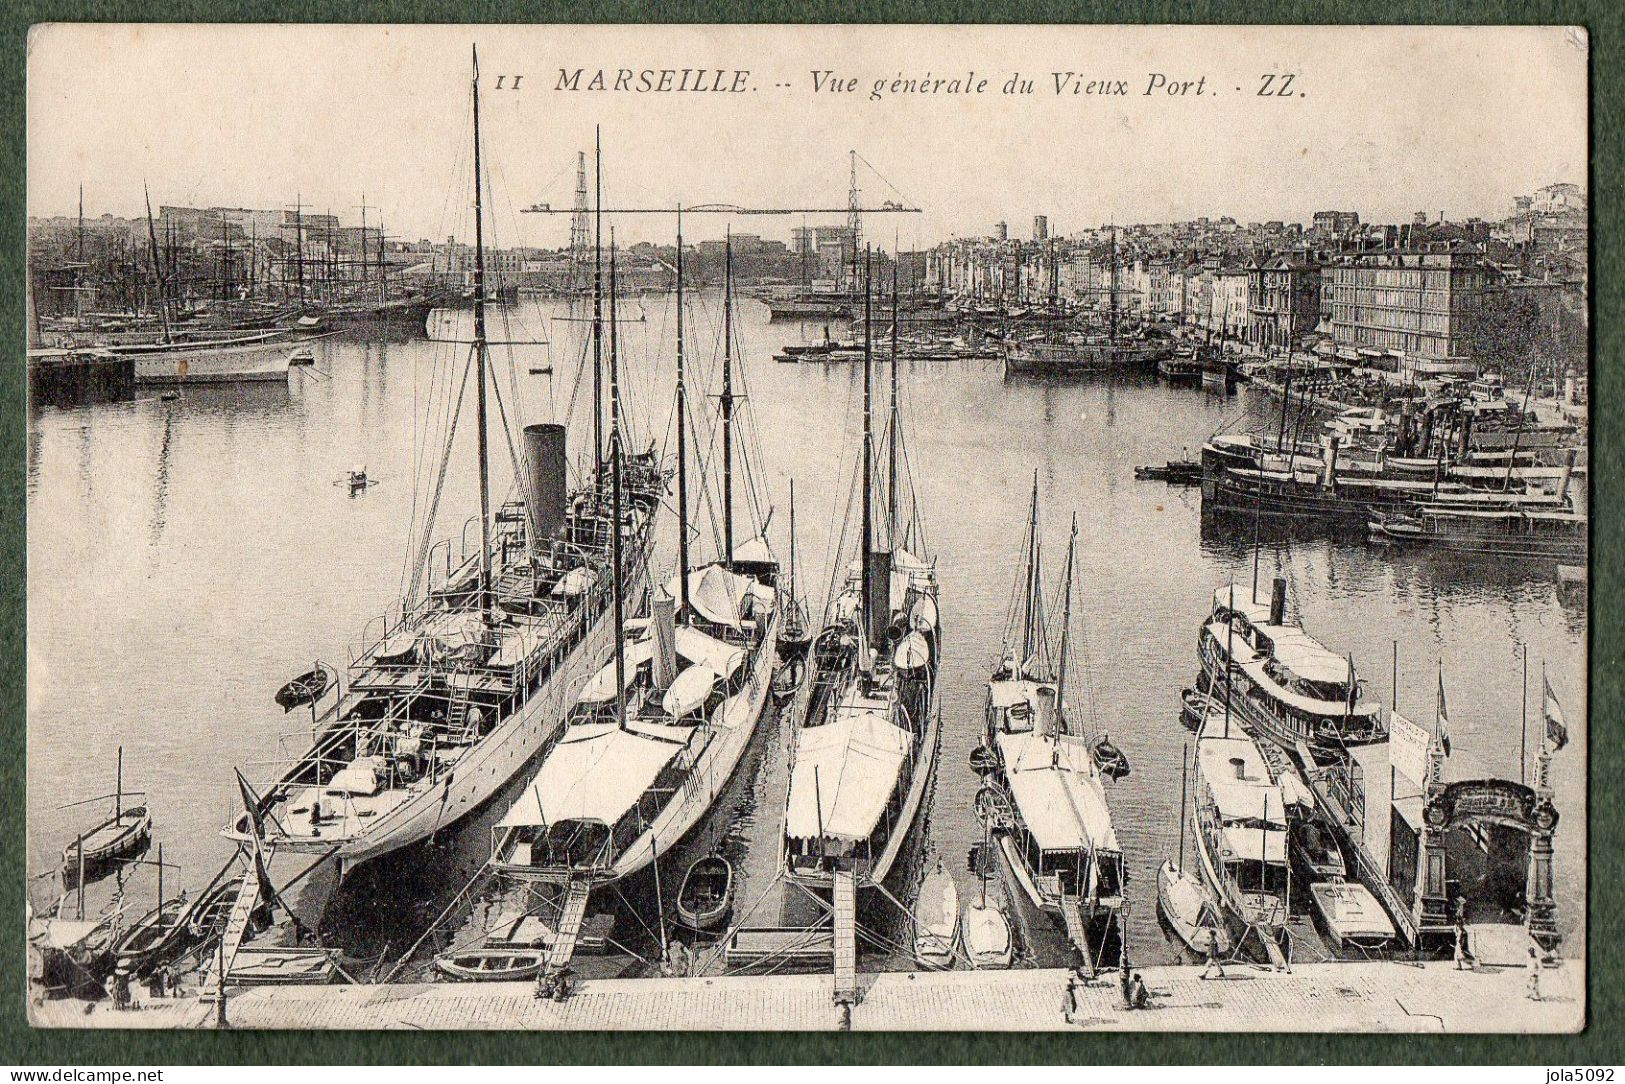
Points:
(1190, 909)
(1351, 915)
(1289, 688)
(936, 920)
(1241, 833)
(706, 893)
(1060, 844)
(154, 939)
(867, 744)
(986, 935)
(490, 964)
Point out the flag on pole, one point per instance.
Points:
(1557, 732)
(1444, 716)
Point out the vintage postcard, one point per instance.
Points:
(768, 527)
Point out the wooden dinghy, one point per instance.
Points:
(706, 893)
(306, 688)
(993, 808)
(986, 935)
(124, 834)
(1109, 759)
(1190, 910)
(155, 939)
(936, 920)
(207, 916)
(491, 964)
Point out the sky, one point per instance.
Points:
(1386, 121)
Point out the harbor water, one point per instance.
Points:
(188, 555)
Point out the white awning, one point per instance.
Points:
(1249, 802)
(1240, 599)
(1306, 656)
(1255, 844)
(844, 774)
(715, 594)
(600, 689)
(1058, 793)
(1007, 694)
(596, 773)
(755, 551)
(692, 644)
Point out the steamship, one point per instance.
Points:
(1289, 688)
(458, 686)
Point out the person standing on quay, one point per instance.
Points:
(1213, 962)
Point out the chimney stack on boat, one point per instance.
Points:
(879, 596)
(664, 610)
(545, 496)
(1278, 601)
(1328, 456)
(1048, 715)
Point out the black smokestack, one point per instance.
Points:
(545, 481)
(1278, 601)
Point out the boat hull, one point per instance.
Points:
(222, 365)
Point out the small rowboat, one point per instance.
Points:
(1198, 706)
(490, 965)
(304, 689)
(983, 760)
(985, 932)
(1109, 759)
(1315, 849)
(122, 835)
(1190, 910)
(156, 938)
(936, 920)
(207, 916)
(993, 809)
(706, 893)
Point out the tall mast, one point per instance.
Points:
(1111, 309)
(479, 351)
(225, 259)
(597, 301)
(854, 220)
(891, 442)
(793, 551)
(682, 438)
(868, 435)
(1030, 600)
(299, 244)
(614, 350)
(157, 267)
(1066, 627)
(619, 588)
(728, 400)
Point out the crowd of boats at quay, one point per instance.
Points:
(552, 659)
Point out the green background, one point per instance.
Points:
(1600, 1043)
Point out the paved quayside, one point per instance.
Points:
(1346, 997)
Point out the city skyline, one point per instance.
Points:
(327, 138)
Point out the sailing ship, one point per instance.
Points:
(864, 752)
(659, 731)
(1290, 688)
(1115, 349)
(1241, 832)
(459, 685)
(1060, 842)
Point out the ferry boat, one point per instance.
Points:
(659, 731)
(454, 689)
(864, 753)
(1059, 840)
(1240, 819)
(1555, 534)
(1289, 688)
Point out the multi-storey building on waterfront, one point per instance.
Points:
(1423, 308)
(1283, 300)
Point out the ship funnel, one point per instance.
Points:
(1278, 601)
(1328, 459)
(1044, 711)
(664, 610)
(879, 595)
(545, 489)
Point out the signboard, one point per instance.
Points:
(1407, 748)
